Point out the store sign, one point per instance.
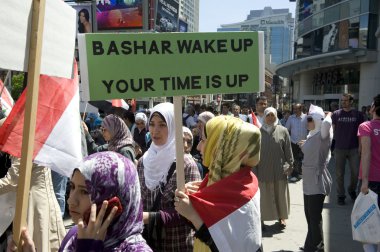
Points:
(170, 64)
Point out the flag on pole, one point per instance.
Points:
(6, 99)
(57, 141)
(120, 103)
(255, 121)
(230, 208)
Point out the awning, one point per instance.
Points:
(343, 57)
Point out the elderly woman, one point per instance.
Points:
(315, 175)
(101, 177)
(230, 148)
(140, 132)
(272, 170)
(116, 133)
(165, 229)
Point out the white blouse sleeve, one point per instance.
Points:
(325, 128)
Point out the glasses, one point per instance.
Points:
(309, 119)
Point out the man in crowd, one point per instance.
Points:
(261, 105)
(188, 117)
(297, 126)
(345, 124)
(226, 108)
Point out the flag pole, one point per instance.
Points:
(180, 168)
(34, 66)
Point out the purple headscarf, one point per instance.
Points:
(108, 174)
(121, 136)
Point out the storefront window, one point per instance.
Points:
(336, 81)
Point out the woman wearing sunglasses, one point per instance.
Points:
(315, 175)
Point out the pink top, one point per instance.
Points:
(372, 130)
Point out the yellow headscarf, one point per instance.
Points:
(230, 144)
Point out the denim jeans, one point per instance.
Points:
(59, 184)
(353, 158)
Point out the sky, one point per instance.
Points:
(213, 13)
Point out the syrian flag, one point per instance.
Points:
(57, 142)
(6, 99)
(230, 208)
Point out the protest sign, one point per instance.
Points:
(16, 30)
(170, 64)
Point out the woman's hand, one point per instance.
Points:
(288, 171)
(364, 189)
(146, 217)
(26, 241)
(184, 207)
(192, 187)
(96, 228)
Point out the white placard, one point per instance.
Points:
(58, 37)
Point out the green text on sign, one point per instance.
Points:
(170, 64)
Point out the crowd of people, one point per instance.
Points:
(124, 195)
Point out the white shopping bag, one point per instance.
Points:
(7, 210)
(365, 219)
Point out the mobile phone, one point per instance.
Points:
(115, 201)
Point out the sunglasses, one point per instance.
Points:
(309, 119)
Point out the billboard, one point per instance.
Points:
(182, 26)
(119, 15)
(133, 65)
(84, 19)
(167, 15)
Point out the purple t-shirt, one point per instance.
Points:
(346, 128)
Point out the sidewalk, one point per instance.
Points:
(336, 223)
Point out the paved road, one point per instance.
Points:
(336, 225)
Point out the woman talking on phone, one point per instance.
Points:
(109, 182)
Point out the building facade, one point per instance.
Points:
(189, 12)
(336, 51)
(278, 27)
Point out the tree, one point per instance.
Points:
(17, 85)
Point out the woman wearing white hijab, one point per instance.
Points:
(315, 175)
(165, 229)
(272, 171)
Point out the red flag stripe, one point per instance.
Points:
(5, 95)
(54, 96)
(237, 190)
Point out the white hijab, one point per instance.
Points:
(158, 159)
(318, 115)
(269, 128)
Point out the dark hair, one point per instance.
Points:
(130, 116)
(349, 96)
(376, 103)
(86, 16)
(262, 98)
(227, 104)
(159, 115)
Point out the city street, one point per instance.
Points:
(336, 226)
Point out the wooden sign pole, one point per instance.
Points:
(34, 65)
(179, 143)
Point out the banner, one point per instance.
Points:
(167, 16)
(171, 64)
(183, 27)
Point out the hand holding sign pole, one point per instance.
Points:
(171, 64)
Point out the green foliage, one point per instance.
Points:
(17, 85)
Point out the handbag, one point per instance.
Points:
(365, 219)
(152, 232)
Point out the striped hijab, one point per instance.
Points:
(121, 136)
(231, 143)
